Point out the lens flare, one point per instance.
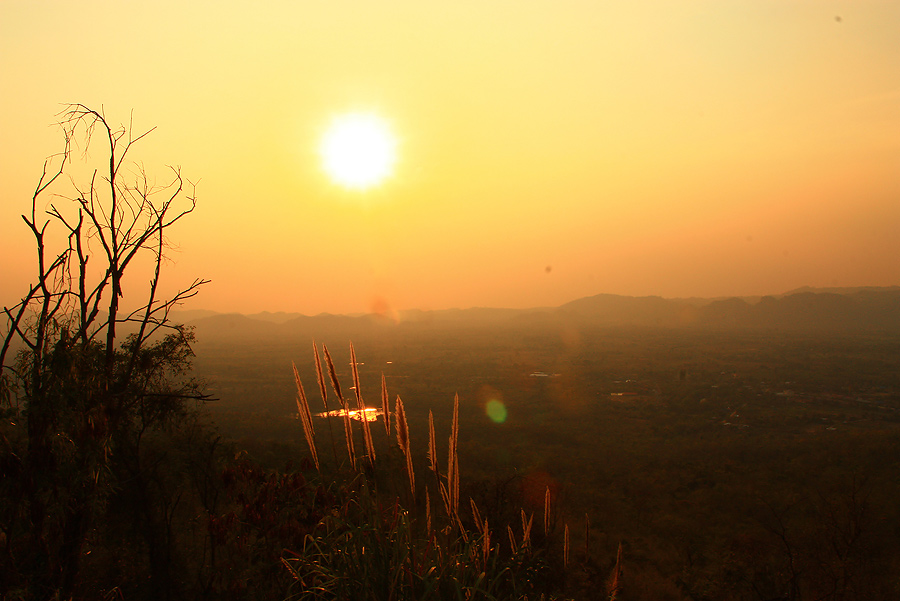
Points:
(496, 411)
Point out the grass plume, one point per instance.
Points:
(367, 432)
(547, 512)
(385, 406)
(306, 417)
(334, 380)
(453, 460)
(587, 537)
(427, 512)
(476, 515)
(486, 542)
(319, 377)
(324, 392)
(432, 445)
(526, 530)
(348, 426)
(403, 443)
(614, 586)
(348, 434)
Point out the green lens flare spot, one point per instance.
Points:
(496, 411)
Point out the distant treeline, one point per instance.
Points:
(850, 310)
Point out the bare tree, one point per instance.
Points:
(86, 391)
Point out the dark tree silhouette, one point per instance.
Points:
(84, 379)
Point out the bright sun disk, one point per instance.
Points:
(358, 150)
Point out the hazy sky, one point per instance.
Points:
(547, 150)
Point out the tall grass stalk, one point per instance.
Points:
(348, 434)
(334, 379)
(526, 530)
(486, 543)
(361, 406)
(345, 410)
(385, 406)
(427, 512)
(453, 459)
(547, 512)
(432, 456)
(306, 418)
(432, 445)
(403, 443)
(614, 585)
(321, 380)
(476, 515)
(587, 537)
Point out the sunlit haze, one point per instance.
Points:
(545, 151)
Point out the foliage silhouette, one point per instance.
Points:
(82, 395)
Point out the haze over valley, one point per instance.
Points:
(415, 301)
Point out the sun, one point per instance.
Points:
(358, 150)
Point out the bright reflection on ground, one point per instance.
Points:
(370, 414)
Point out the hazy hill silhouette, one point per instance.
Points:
(613, 310)
(864, 310)
(810, 310)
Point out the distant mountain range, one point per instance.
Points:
(827, 310)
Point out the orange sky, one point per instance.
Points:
(678, 148)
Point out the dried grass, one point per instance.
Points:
(476, 515)
(486, 543)
(443, 488)
(453, 460)
(526, 530)
(348, 434)
(587, 537)
(403, 443)
(323, 391)
(320, 378)
(477, 549)
(334, 380)
(445, 497)
(432, 445)
(361, 406)
(427, 512)
(385, 406)
(547, 512)
(348, 427)
(614, 585)
(306, 417)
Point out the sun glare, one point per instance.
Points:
(358, 150)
